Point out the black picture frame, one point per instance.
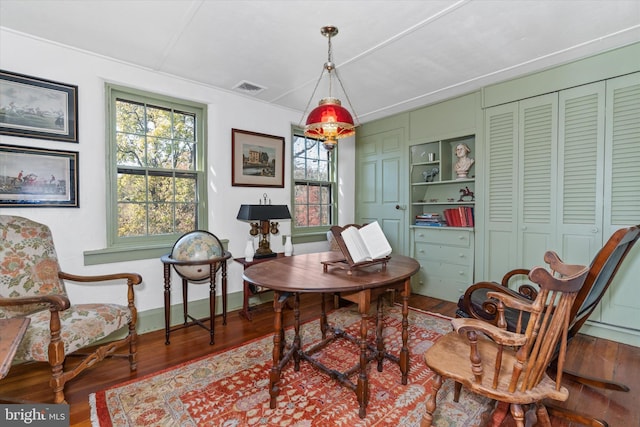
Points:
(267, 168)
(37, 108)
(38, 177)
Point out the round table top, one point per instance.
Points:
(304, 273)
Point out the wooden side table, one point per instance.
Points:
(249, 289)
(13, 331)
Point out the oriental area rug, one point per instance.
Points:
(230, 388)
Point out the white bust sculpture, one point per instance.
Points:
(464, 163)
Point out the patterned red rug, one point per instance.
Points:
(230, 388)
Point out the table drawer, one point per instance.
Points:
(451, 254)
(444, 236)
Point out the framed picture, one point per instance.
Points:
(37, 177)
(37, 108)
(257, 159)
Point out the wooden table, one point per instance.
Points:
(11, 333)
(292, 276)
(249, 289)
(189, 320)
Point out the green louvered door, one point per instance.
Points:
(621, 304)
(581, 172)
(500, 227)
(538, 180)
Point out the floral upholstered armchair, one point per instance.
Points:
(32, 285)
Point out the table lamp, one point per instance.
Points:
(263, 214)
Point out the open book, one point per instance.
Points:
(366, 243)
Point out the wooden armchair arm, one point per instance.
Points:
(512, 301)
(528, 291)
(55, 302)
(512, 273)
(556, 264)
(500, 336)
(489, 309)
(131, 278)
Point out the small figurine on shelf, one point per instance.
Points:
(464, 162)
(430, 175)
(465, 192)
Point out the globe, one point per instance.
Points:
(196, 245)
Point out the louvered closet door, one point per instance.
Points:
(500, 225)
(621, 304)
(581, 172)
(537, 178)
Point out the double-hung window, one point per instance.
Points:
(314, 188)
(156, 183)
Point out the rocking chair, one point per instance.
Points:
(511, 367)
(475, 303)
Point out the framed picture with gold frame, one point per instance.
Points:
(257, 159)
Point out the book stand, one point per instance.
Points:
(347, 263)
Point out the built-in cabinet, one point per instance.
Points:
(445, 252)
(446, 260)
(563, 172)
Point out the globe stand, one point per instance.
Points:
(189, 320)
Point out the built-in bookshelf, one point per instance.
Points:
(437, 193)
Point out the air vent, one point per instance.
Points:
(248, 88)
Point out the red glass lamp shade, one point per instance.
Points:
(329, 121)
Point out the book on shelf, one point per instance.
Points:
(429, 220)
(366, 243)
(461, 216)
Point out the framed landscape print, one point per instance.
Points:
(257, 159)
(37, 108)
(37, 177)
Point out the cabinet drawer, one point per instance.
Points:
(451, 254)
(437, 287)
(451, 272)
(448, 236)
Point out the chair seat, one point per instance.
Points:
(82, 325)
(449, 357)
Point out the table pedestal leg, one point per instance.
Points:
(404, 352)
(362, 388)
(296, 326)
(278, 344)
(379, 327)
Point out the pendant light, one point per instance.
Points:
(329, 121)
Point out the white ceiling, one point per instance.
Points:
(392, 56)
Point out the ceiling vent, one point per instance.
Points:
(248, 88)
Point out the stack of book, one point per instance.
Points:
(461, 216)
(430, 219)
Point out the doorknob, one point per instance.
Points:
(401, 207)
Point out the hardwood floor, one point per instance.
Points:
(603, 358)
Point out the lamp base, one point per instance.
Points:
(269, 255)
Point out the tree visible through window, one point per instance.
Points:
(314, 185)
(158, 167)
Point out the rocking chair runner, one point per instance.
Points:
(32, 285)
(511, 367)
